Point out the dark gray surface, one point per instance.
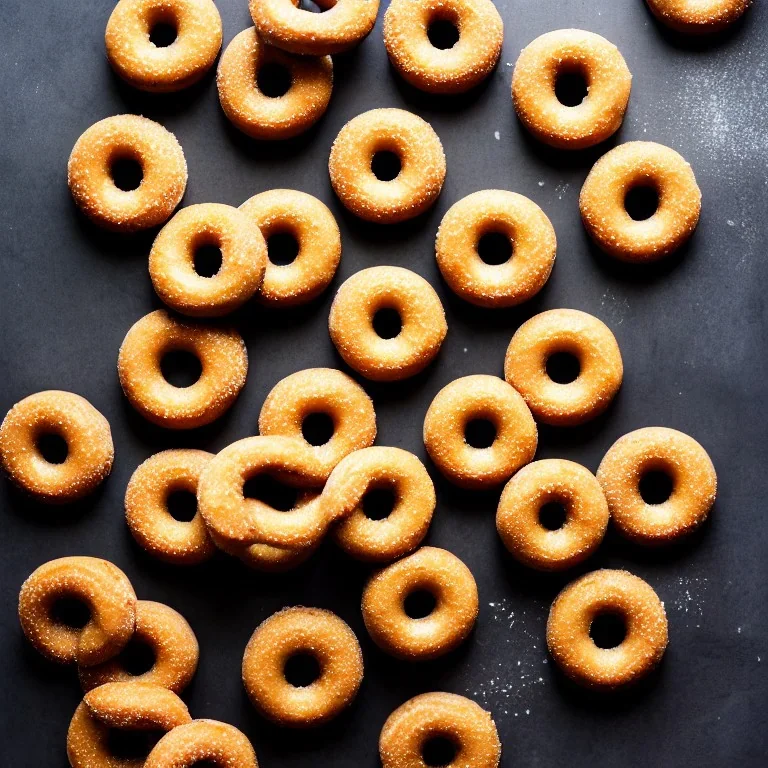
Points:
(692, 332)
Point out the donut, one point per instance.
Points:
(172, 260)
(613, 593)
(162, 68)
(673, 454)
(260, 114)
(223, 359)
(645, 166)
(96, 159)
(571, 53)
(352, 323)
(381, 133)
(297, 632)
(698, 17)
(72, 419)
(468, 401)
(436, 69)
(429, 570)
(435, 717)
(495, 212)
(582, 339)
(288, 213)
(104, 590)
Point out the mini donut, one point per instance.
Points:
(144, 65)
(102, 587)
(172, 260)
(258, 114)
(682, 460)
(422, 318)
(573, 333)
(698, 17)
(571, 52)
(222, 355)
(431, 716)
(471, 399)
(640, 165)
(295, 632)
(127, 138)
(430, 570)
(422, 165)
(312, 225)
(614, 593)
(495, 212)
(549, 481)
(72, 418)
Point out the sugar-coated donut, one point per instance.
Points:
(672, 453)
(259, 114)
(420, 154)
(72, 418)
(127, 138)
(438, 573)
(299, 632)
(102, 587)
(243, 260)
(698, 17)
(640, 165)
(616, 593)
(568, 52)
(422, 318)
(495, 212)
(222, 356)
(479, 398)
(580, 336)
(142, 63)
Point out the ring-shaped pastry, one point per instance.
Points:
(698, 17)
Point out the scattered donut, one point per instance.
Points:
(694, 17)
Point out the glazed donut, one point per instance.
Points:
(549, 481)
(607, 592)
(657, 450)
(352, 317)
(577, 335)
(471, 399)
(411, 727)
(72, 418)
(438, 573)
(647, 166)
(495, 212)
(381, 132)
(222, 356)
(697, 17)
(102, 587)
(443, 70)
(172, 260)
(96, 157)
(261, 115)
(300, 632)
(571, 52)
(145, 65)
(288, 212)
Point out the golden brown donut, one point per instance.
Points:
(640, 165)
(422, 318)
(698, 17)
(495, 212)
(258, 114)
(72, 418)
(440, 574)
(221, 353)
(127, 138)
(102, 587)
(672, 453)
(381, 131)
(571, 52)
(141, 63)
(471, 399)
(599, 593)
(297, 632)
(573, 333)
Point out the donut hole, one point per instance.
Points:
(138, 657)
(282, 248)
(608, 630)
(317, 428)
(207, 259)
(163, 34)
(656, 486)
(563, 367)
(443, 33)
(301, 669)
(53, 448)
(419, 604)
(127, 173)
(274, 79)
(571, 87)
(270, 491)
(71, 612)
(641, 202)
(181, 368)
(378, 503)
(494, 248)
(438, 751)
(132, 744)
(553, 515)
(387, 323)
(386, 165)
(311, 7)
(182, 505)
(480, 433)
